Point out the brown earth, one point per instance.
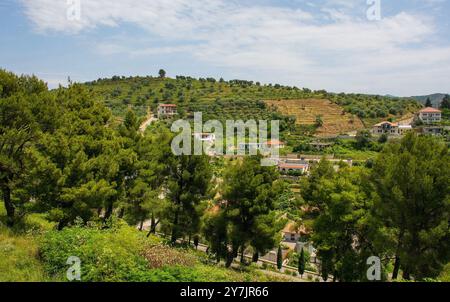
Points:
(335, 120)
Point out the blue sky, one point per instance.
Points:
(319, 44)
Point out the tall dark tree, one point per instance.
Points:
(24, 114)
(445, 102)
(77, 167)
(279, 258)
(301, 263)
(344, 230)
(162, 73)
(428, 103)
(250, 192)
(413, 184)
(188, 185)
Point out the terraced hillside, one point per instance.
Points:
(139, 93)
(335, 119)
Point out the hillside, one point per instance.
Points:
(335, 120)
(35, 252)
(238, 99)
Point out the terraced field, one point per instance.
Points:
(335, 120)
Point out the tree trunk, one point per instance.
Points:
(141, 225)
(406, 275)
(397, 257)
(174, 229)
(255, 257)
(153, 225)
(108, 211)
(242, 254)
(396, 268)
(9, 206)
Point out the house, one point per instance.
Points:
(432, 130)
(430, 115)
(387, 128)
(403, 129)
(205, 137)
(292, 232)
(293, 166)
(275, 144)
(167, 110)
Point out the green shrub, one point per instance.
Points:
(106, 255)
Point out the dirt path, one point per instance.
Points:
(148, 121)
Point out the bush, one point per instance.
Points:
(106, 255)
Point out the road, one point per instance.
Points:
(150, 119)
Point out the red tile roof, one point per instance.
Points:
(168, 105)
(293, 166)
(430, 110)
(274, 143)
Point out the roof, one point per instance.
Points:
(293, 166)
(274, 142)
(386, 122)
(430, 110)
(167, 105)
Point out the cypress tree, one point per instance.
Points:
(302, 263)
(279, 258)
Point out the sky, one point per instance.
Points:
(399, 47)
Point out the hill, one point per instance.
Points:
(239, 99)
(35, 252)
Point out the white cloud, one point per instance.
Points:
(328, 49)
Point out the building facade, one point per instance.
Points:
(430, 115)
(167, 110)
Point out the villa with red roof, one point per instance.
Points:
(430, 115)
(167, 110)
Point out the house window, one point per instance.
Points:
(292, 237)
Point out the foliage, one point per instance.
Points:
(106, 255)
(19, 259)
(412, 180)
(302, 263)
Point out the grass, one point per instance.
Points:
(19, 258)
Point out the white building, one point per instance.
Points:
(167, 110)
(430, 115)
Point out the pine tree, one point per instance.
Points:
(251, 191)
(188, 185)
(446, 102)
(412, 180)
(428, 103)
(25, 107)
